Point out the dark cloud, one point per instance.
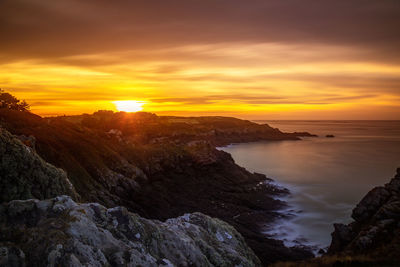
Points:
(37, 28)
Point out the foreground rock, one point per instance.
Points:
(375, 232)
(24, 175)
(60, 232)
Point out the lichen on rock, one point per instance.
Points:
(24, 175)
(61, 232)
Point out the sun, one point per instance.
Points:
(129, 105)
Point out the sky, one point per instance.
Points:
(286, 59)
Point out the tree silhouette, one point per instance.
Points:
(11, 102)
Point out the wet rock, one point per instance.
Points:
(92, 235)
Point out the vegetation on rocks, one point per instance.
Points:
(61, 232)
(9, 101)
(24, 175)
(162, 167)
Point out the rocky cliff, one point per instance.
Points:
(375, 232)
(163, 167)
(61, 232)
(24, 175)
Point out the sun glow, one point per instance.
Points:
(129, 105)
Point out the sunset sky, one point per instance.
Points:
(250, 59)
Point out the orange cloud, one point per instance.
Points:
(70, 57)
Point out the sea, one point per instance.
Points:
(327, 177)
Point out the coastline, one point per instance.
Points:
(282, 226)
(162, 175)
(161, 167)
(326, 177)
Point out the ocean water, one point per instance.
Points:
(327, 177)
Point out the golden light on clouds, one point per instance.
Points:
(248, 62)
(305, 88)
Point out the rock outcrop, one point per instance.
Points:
(375, 232)
(61, 232)
(24, 175)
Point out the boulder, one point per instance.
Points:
(61, 232)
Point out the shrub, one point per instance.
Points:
(11, 102)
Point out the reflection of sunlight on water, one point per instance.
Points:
(326, 176)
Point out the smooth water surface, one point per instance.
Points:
(327, 176)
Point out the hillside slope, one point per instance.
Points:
(24, 175)
(61, 232)
(163, 167)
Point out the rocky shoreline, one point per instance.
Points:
(162, 167)
(375, 232)
(372, 239)
(158, 169)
